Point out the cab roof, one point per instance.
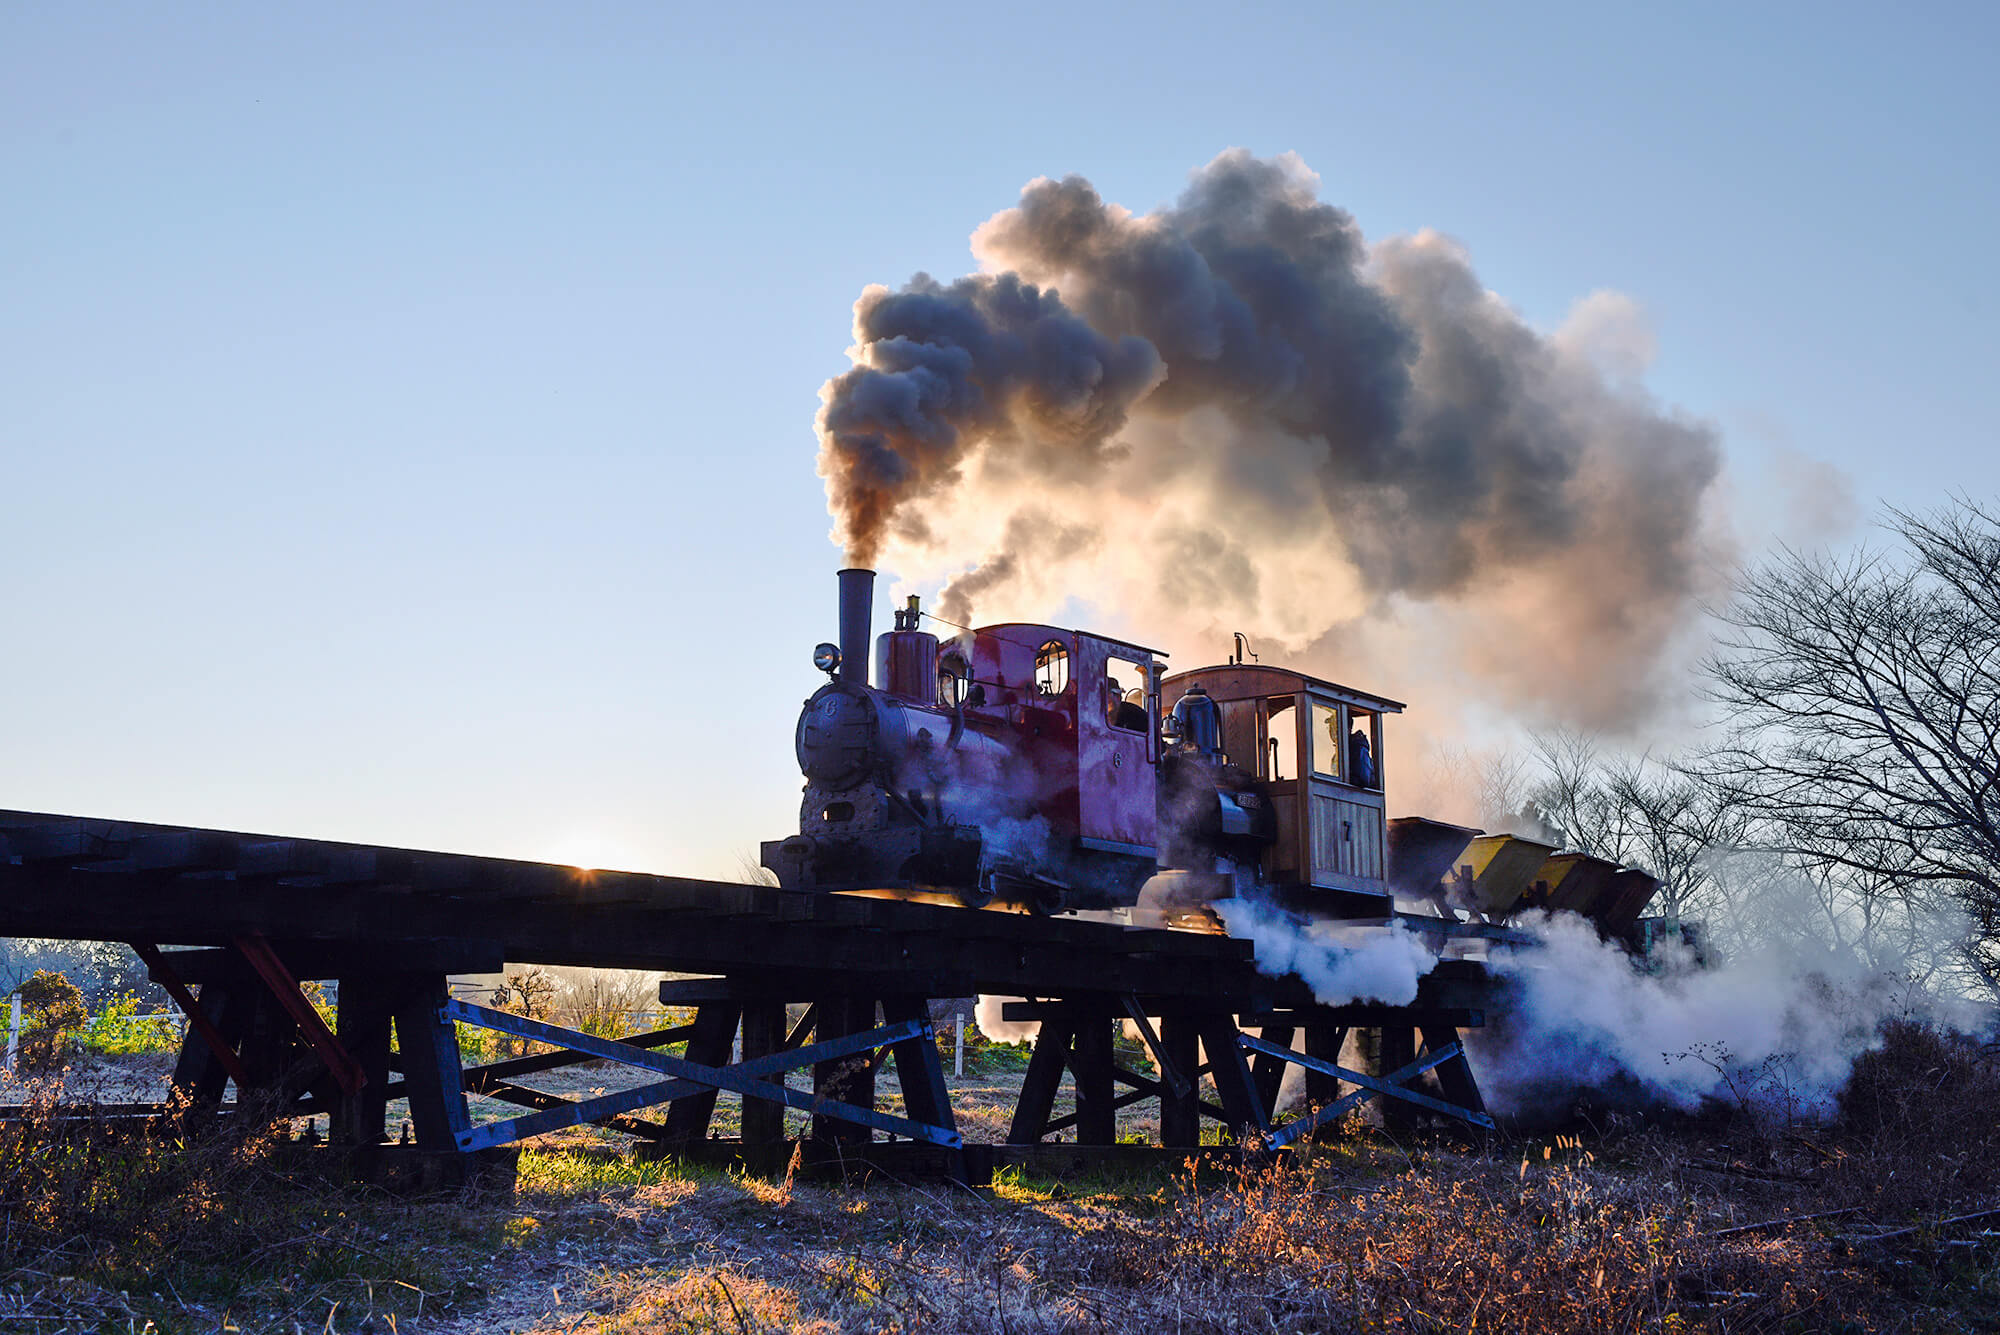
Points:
(1237, 681)
(1034, 634)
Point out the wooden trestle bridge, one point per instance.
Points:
(248, 917)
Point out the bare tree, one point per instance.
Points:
(1675, 826)
(1863, 699)
(1635, 810)
(101, 968)
(1449, 780)
(1762, 898)
(1571, 796)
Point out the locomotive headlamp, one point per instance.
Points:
(826, 657)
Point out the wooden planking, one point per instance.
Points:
(167, 849)
(77, 903)
(320, 960)
(93, 879)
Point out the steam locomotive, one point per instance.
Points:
(1051, 769)
(1032, 767)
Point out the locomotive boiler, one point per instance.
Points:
(1058, 769)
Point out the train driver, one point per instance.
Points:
(1360, 758)
(1124, 709)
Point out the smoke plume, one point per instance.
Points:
(942, 369)
(1235, 413)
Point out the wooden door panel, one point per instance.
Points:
(1348, 837)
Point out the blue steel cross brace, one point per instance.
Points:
(1371, 1086)
(744, 1078)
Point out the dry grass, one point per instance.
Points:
(1628, 1228)
(1712, 1225)
(1358, 1239)
(182, 1225)
(1927, 1105)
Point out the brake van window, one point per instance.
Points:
(1328, 740)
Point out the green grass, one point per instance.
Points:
(577, 1172)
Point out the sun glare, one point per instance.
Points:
(591, 851)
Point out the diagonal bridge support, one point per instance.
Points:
(1210, 1068)
(1394, 1085)
(749, 1078)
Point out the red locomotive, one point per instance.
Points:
(1058, 769)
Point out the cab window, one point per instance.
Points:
(1362, 751)
(1281, 738)
(954, 678)
(1125, 694)
(1052, 668)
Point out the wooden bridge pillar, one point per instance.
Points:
(843, 1079)
(434, 1080)
(711, 1043)
(1180, 1114)
(1268, 1072)
(1090, 1064)
(919, 1069)
(364, 1009)
(1042, 1081)
(1234, 1085)
(763, 1034)
(199, 1071)
(1454, 1076)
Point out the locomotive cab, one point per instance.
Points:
(1081, 711)
(1315, 748)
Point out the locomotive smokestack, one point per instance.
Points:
(857, 599)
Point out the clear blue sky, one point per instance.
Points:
(405, 411)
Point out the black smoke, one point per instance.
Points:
(1247, 346)
(945, 369)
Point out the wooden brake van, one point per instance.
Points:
(1317, 747)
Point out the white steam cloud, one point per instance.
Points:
(1775, 1031)
(1341, 965)
(986, 1014)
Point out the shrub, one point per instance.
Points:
(52, 1020)
(602, 1002)
(475, 1045)
(1917, 1116)
(120, 1030)
(528, 992)
(187, 1223)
